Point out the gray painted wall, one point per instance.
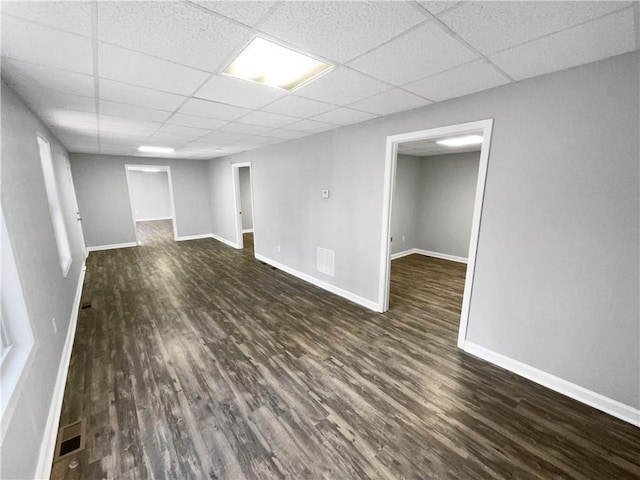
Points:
(221, 199)
(47, 294)
(405, 215)
(245, 197)
(557, 279)
(149, 195)
(447, 194)
(103, 197)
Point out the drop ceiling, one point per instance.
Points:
(428, 147)
(107, 76)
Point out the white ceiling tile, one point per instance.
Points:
(344, 116)
(40, 98)
(286, 134)
(438, 7)
(109, 123)
(592, 41)
(340, 30)
(246, 12)
(73, 17)
(392, 101)
(73, 120)
(133, 112)
(203, 146)
(268, 119)
(295, 106)
(166, 140)
(342, 86)
(44, 46)
(29, 75)
(262, 140)
(175, 31)
(494, 26)
(139, 96)
(198, 122)
(463, 80)
(138, 69)
(398, 62)
(238, 92)
(179, 129)
(312, 126)
(244, 128)
(205, 108)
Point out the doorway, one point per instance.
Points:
(243, 204)
(152, 206)
(453, 135)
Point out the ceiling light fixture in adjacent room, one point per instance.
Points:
(461, 141)
(271, 64)
(148, 149)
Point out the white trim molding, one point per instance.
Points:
(193, 237)
(581, 394)
(113, 246)
(152, 219)
(224, 240)
(45, 459)
(319, 283)
(247, 230)
(391, 160)
(428, 253)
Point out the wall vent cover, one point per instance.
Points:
(71, 439)
(325, 261)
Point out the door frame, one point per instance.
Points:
(391, 161)
(237, 203)
(85, 252)
(162, 168)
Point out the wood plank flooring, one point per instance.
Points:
(197, 361)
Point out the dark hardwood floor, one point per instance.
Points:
(197, 361)
(154, 231)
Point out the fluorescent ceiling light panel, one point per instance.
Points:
(151, 170)
(461, 141)
(148, 149)
(274, 65)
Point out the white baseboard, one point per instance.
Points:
(223, 240)
(112, 246)
(153, 219)
(429, 253)
(319, 283)
(45, 459)
(248, 230)
(581, 394)
(404, 253)
(444, 256)
(193, 237)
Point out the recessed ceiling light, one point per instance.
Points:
(274, 65)
(151, 170)
(461, 141)
(148, 149)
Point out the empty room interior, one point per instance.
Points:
(320, 240)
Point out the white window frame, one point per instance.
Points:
(14, 321)
(55, 206)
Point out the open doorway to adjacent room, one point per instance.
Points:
(434, 189)
(243, 189)
(152, 207)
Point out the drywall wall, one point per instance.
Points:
(221, 201)
(245, 198)
(556, 284)
(447, 194)
(103, 197)
(47, 293)
(406, 215)
(149, 193)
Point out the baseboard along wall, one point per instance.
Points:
(428, 253)
(45, 459)
(112, 246)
